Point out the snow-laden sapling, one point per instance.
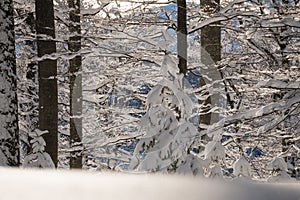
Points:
(214, 154)
(279, 170)
(242, 168)
(169, 131)
(38, 157)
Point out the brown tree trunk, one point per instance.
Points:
(210, 51)
(182, 36)
(75, 85)
(47, 69)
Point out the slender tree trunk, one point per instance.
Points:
(210, 54)
(75, 85)
(47, 69)
(9, 138)
(182, 36)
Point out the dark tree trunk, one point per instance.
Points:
(182, 36)
(210, 51)
(9, 138)
(211, 34)
(47, 69)
(75, 85)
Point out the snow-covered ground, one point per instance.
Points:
(21, 184)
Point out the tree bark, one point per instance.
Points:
(182, 36)
(210, 54)
(75, 85)
(47, 70)
(9, 138)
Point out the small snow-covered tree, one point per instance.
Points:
(214, 155)
(167, 123)
(38, 158)
(242, 168)
(279, 170)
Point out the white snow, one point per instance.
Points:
(63, 185)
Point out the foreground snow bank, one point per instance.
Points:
(19, 184)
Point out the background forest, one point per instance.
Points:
(204, 87)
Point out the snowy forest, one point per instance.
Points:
(205, 88)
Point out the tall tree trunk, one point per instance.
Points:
(47, 69)
(9, 138)
(210, 54)
(75, 85)
(182, 36)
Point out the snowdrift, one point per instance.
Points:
(24, 184)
